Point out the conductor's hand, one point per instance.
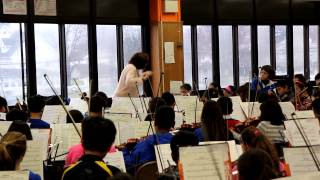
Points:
(146, 75)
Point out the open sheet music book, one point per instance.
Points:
(115, 159)
(304, 176)
(309, 127)
(4, 126)
(131, 129)
(237, 113)
(78, 104)
(54, 114)
(204, 162)
(14, 175)
(300, 160)
(192, 116)
(188, 103)
(118, 117)
(3, 116)
(304, 114)
(124, 105)
(165, 159)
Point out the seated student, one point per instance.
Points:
(36, 105)
(98, 135)
(264, 83)
(243, 92)
(316, 108)
(272, 118)
(255, 164)
(22, 127)
(226, 106)
(282, 91)
(251, 138)
(97, 106)
(153, 106)
(76, 115)
(229, 91)
(16, 114)
(317, 79)
(144, 151)
(214, 127)
(169, 99)
(13, 147)
(108, 101)
(3, 105)
(185, 89)
(302, 99)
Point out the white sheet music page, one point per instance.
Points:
(165, 155)
(54, 114)
(192, 116)
(251, 109)
(188, 103)
(117, 117)
(305, 114)
(78, 104)
(115, 159)
(4, 126)
(287, 108)
(237, 113)
(309, 127)
(34, 156)
(300, 160)
(14, 175)
(234, 151)
(204, 162)
(124, 105)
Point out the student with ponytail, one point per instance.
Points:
(13, 147)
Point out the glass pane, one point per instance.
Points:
(314, 50)
(244, 34)
(10, 62)
(132, 41)
(263, 45)
(107, 58)
(298, 50)
(226, 56)
(187, 54)
(47, 57)
(77, 58)
(204, 40)
(281, 50)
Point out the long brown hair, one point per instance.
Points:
(214, 126)
(13, 146)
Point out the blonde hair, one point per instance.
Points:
(13, 146)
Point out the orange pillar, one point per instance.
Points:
(165, 27)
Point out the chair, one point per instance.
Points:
(147, 171)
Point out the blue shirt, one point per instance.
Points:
(198, 134)
(144, 151)
(34, 176)
(38, 124)
(264, 88)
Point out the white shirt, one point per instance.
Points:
(127, 83)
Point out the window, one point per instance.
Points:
(47, 57)
(298, 50)
(204, 41)
(244, 34)
(187, 54)
(226, 55)
(10, 62)
(314, 50)
(132, 41)
(107, 58)
(77, 58)
(281, 50)
(263, 45)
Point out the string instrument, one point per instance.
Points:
(190, 127)
(21, 107)
(247, 123)
(130, 144)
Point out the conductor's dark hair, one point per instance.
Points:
(3, 103)
(168, 98)
(186, 86)
(96, 104)
(76, 115)
(269, 70)
(36, 104)
(21, 127)
(182, 139)
(16, 114)
(98, 134)
(165, 118)
(225, 104)
(139, 60)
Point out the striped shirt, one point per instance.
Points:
(273, 132)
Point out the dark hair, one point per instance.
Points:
(3, 103)
(108, 101)
(168, 98)
(281, 83)
(255, 164)
(226, 105)
(271, 111)
(98, 134)
(96, 104)
(53, 100)
(182, 139)
(243, 92)
(301, 78)
(213, 122)
(16, 114)
(121, 176)
(252, 137)
(36, 104)
(22, 127)
(13, 146)
(218, 89)
(186, 86)
(317, 77)
(139, 60)
(165, 118)
(269, 70)
(76, 115)
(316, 106)
(156, 103)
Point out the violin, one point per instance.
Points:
(247, 123)
(130, 144)
(190, 127)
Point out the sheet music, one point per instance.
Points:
(309, 127)
(14, 175)
(3, 116)
(237, 113)
(234, 151)
(78, 104)
(124, 105)
(18, 7)
(300, 159)
(175, 87)
(190, 115)
(116, 117)
(66, 135)
(45, 7)
(305, 114)
(40, 134)
(132, 129)
(287, 108)
(34, 156)
(304, 176)
(4, 126)
(54, 114)
(251, 107)
(204, 162)
(179, 118)
(188, 103)
(115, 159)
(166, 157)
